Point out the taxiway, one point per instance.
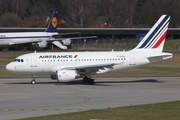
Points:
(20, 99)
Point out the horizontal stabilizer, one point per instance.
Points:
(164, 56)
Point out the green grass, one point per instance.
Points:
(172, 45)
(159, 111)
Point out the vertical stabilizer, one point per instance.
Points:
(155, 38)
(52, 27)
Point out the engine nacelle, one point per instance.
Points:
(41, 44)
(65, 75)
(66, 42)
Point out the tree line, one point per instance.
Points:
(88, 13)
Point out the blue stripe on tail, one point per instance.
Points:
(155, 31)
(52, 27)
(157, 34)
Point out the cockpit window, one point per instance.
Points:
(18, 60)
(15, 60)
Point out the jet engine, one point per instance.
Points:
(41, 44)
(66, 42)
(65, 75)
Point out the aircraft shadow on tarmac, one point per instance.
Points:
(98, 83)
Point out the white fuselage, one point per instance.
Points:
(35, 63)
(7, 39)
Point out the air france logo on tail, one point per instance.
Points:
(156, 36)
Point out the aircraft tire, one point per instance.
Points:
(33, 82)
(88, 80)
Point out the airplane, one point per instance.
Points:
(39, 39)
(68, 66)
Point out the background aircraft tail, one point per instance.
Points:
(52, 27)
(155, 38)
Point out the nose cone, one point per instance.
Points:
(10, 67)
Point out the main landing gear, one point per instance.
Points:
(88, 80)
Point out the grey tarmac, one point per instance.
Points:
(20, 99)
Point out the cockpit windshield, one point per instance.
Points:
(18, 60)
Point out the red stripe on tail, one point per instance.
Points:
(160, 40)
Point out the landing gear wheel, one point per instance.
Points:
(91, 81)
(33, 82)
(88, 80)
(85, 79)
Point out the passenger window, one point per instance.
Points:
(22, 60)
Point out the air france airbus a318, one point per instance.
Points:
(67, 66)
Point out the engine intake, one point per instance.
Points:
(65, 75)
(41, 44)
(66, 42)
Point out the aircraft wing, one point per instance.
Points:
(85, 69)
(59, 42)
(91, 66)
(72, 38)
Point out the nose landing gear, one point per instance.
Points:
(33, 82)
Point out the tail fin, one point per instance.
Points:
(155, 38)
(52, 27)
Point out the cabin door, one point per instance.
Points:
(33, 61)
(132, 59)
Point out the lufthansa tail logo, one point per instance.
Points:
(54, 22)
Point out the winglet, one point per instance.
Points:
(155, 38)
(52, 27)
